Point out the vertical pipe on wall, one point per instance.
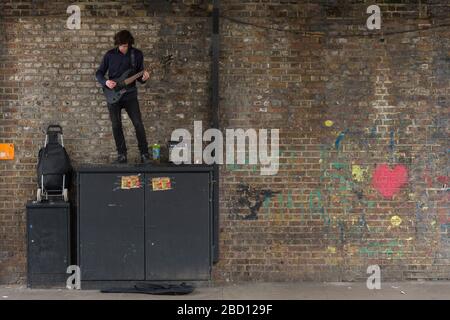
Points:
(215, 48)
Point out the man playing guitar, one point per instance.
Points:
(116, 62)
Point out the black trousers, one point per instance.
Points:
(131, 106)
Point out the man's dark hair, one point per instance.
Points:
(123, 37)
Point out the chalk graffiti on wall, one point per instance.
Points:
(391, 249)
(347, 194)
(389, 181)
(360, 173)
(252, 199)
(429, 186)
(339, 139)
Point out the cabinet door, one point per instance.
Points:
(111, 227)
(48, 239)
(177, 226)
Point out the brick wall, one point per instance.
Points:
(346, 104)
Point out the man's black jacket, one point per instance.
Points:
(116, 63)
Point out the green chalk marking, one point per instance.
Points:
(339, 165)
(289, 201)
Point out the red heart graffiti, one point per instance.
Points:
(388, 182)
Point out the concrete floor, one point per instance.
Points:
(435, 290)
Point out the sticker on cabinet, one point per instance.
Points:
(161, 183)
(130, 182)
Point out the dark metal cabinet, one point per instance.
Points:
(177, 228)
(111, 232)
(145, 232)
(48, 243)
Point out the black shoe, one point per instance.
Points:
(145, 158)
(121, 158)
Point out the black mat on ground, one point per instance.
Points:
(152, 288)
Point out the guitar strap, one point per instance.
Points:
(133, 60)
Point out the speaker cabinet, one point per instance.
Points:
(48, 243)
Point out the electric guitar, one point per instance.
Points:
(114, 95)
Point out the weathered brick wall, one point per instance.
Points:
(321, 218)
(345, 105)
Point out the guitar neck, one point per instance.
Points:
(129, 80)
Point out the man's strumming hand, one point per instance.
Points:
(110, 84)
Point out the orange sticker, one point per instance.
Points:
(130, 182)
(6, 151)
(162, 183)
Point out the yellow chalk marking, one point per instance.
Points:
(359, 173)
(396, 221)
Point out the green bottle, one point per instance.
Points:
(156, 152)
